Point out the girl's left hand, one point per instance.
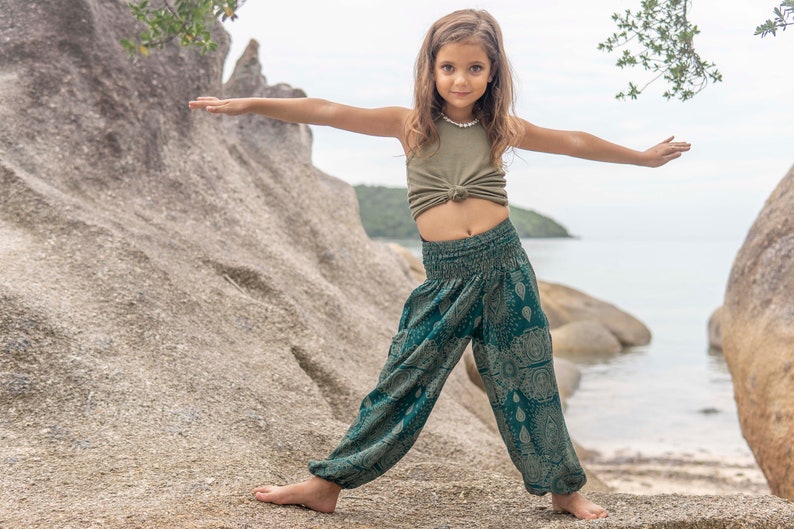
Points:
(662, 153)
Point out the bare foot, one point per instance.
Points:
(316, 494)
(577, 505)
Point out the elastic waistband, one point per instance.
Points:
(496, 249)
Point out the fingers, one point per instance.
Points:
(668, 147)
(666, 151)
(683, 145)
(666, 157)
(204, 102)
(678, 147)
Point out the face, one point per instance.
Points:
(462, 72)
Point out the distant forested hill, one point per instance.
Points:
(385, 214)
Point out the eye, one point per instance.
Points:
(446, 68)
(477, 68)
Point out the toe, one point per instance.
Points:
(263, 496)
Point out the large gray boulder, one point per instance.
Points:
(758, 337)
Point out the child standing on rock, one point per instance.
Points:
(480, 285)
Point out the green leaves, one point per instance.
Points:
(187, 21)
(784, 17)
(664, 45)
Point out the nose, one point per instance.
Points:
(460, 80)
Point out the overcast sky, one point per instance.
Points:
(362, 53)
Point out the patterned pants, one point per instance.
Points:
(481, 289)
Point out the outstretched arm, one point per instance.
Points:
(386, 121)
(584, 145)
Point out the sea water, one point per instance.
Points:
(675, 395)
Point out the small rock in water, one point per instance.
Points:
(709, 411)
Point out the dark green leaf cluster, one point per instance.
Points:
(385, 215)
(784, 17)
(665, 40)
(189, 21)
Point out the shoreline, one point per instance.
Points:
(633, 472)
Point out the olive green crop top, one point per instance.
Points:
(459, 169)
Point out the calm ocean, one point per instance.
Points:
(673, 396)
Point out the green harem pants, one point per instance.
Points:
(482, 289)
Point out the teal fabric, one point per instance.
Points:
(480, 289)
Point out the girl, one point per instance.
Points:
(480, 285)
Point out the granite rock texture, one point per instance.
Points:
(758, 337)
(563, 304)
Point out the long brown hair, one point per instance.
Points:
(495, 109)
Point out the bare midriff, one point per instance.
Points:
(459, 220)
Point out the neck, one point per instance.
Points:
(459, 116)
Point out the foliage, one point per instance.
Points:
(665, 37)
(189, 21)
(385, 214)
(784, 17)
(531, 224)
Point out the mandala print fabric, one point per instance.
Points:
(481, 289)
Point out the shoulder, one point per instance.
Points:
(394, 119)
(532, 137)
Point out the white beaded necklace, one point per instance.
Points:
(461, 125)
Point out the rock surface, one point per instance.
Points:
(715, 329)
(563, 304)
(584, 337)
(413, 265)
(183, 317)
(758, 333)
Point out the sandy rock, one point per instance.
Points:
(413, 264)
(584, 336)
(471, 368)
(758, 333)
(715, 329)
(564, 304)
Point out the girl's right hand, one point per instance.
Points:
(230, 107)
